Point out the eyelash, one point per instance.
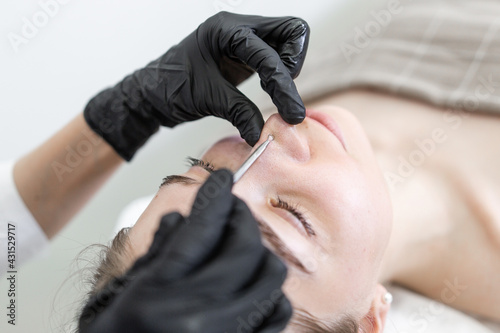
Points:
(294, 210)
(204, 164)
(280, 203)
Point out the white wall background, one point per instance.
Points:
(84, 47)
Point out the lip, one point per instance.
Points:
(329, 123)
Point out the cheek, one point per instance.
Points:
(360, 227)
(374, 217)
(361, 208)
(356, 226)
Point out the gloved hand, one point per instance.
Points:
(197, 78)
(206, 273)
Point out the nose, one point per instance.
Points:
(289, 140)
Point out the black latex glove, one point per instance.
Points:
(197, 78)
(206, 273)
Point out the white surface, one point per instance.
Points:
(131, 214)
(414, 313)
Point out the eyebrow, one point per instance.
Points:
(279, 246)
(177, 179)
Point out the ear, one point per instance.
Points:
(374, 320)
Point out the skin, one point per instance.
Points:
(340, 191)
(59, 177)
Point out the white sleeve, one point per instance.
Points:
(30, 240)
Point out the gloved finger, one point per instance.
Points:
(264, 289)
(293, 41)
(240, 255)
(282, 308)
(167, 229)
(280, 317)
(240, 111)
(275, 77)
(272, 274)
(200, 235)
(267, 290)
(289, 36)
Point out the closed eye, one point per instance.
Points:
(295, 211)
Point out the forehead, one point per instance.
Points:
(176, 197)
(229, 153)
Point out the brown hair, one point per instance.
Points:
(304, 322)
(112, 262)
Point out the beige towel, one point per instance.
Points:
(445, 52)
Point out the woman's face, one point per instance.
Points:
(324, 197)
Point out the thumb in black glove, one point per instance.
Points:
(205, 273)
(198, 78)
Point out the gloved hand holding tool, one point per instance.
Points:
(198, 78)
(208, 272)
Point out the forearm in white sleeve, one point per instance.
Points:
(29, 239)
